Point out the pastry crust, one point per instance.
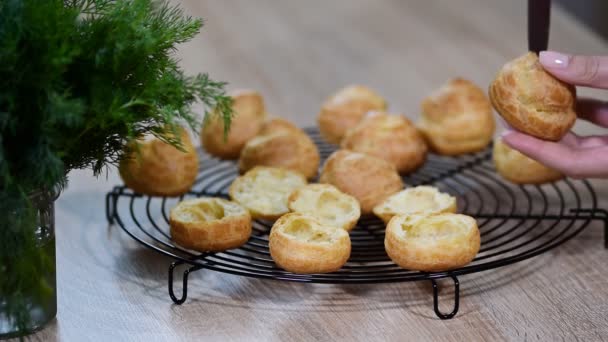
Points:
(156, 168)
(369, 179)
(299, 243)
(264, 191)
(520, 169)
(391, 137)
(249, 115)
(281, 145)
(422, 199)
(275, 125)
(209, 224)
(327, 204)
(457, 118)
(345, 109)
(432, 243)
(532, 100)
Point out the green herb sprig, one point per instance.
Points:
(78, 80)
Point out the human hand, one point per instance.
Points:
(573, 155)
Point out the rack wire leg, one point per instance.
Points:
(606, 233)
(182, 299)
(603, 214)
(436, 299)
(110, 205)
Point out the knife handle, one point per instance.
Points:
(539, 14)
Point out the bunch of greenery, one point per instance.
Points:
(78, 80)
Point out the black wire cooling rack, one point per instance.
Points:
(516, 223)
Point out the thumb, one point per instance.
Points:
(590, 71)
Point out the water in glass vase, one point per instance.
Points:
(40, 301)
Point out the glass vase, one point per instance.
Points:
(40, 302)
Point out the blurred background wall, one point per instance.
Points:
(593, 13)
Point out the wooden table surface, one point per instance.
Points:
(297, 53)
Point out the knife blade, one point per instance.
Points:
(539, 14)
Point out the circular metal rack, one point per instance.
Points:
(516, 223)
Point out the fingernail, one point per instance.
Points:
(506, 132)
(552, 59)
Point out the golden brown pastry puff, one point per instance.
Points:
(532, 100)
(391, 137)
(345, 109)
(457, 118)
(369, 179)
(275, 125)
(156, 168)
(209, 224)
(249, 116)
(281, 145)
(329, 205)
(299, 243)
(432, 243)
(422, 199)
(264, 191)
(520, 169)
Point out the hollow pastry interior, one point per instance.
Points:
(435, 227)
(326, 203)
(206, 210)
(422, 199)
(300, 243)
(306, 230)
(264, 191)
(209, 224)
(432, 242)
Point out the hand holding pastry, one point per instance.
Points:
(588, 71)
(532, 100)
(573, 155)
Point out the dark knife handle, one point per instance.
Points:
(539, 14)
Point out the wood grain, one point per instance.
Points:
(296, 53)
